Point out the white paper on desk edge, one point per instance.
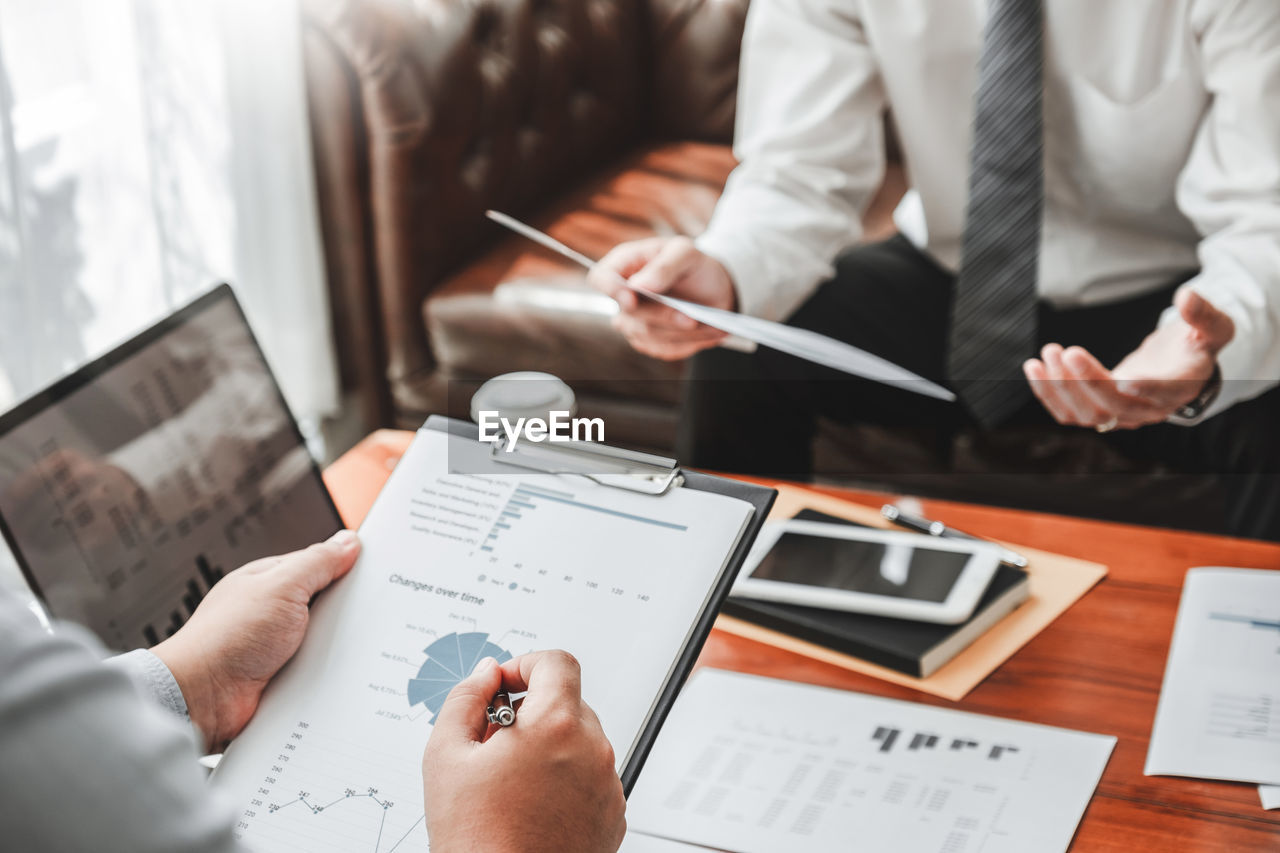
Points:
(1163, 755)
(800, 343)
(754, 704)
(1270, 796)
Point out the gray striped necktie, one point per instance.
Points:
(993, 312)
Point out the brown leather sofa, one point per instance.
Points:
(598, 121)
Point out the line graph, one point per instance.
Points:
(306, 801)
(351, 795)
(372, 794)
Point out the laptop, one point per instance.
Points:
(128, 488)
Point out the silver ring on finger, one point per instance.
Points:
(1109, 425)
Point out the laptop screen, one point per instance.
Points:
(128, 488)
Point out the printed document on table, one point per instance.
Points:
(1219, 711)
(757, 765)
(1270, 795)
(495, 562)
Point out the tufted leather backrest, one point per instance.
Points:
(468, 104)
(694, 68)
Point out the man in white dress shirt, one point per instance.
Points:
(1091, 236)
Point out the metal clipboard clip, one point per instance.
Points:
(609, 466)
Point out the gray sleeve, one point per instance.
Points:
(152, 678)
(89, 764)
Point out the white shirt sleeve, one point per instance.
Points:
(153, 679)
(1230, 188)
(810, 141)
(87, 765)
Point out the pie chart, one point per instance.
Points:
(449, 660)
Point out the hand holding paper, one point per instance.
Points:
(800, 343)
(674, 267)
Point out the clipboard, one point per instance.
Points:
(655, 476)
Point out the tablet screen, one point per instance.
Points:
(128, 488)
(896, 570)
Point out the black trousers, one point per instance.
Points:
(757, 413)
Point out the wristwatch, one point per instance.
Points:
(1204, 400)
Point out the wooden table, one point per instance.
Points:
(1098, 668)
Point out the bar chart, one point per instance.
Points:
(887, 736)
(524, 502)
(1260, 623)
(193, 594)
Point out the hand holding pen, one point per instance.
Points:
(501, 711)
(558, 756)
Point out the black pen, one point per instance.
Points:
(936, 528)
(501, 712)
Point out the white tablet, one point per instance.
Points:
(860, 570)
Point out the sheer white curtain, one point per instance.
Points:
(149, 148)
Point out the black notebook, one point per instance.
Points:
(914, 648)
